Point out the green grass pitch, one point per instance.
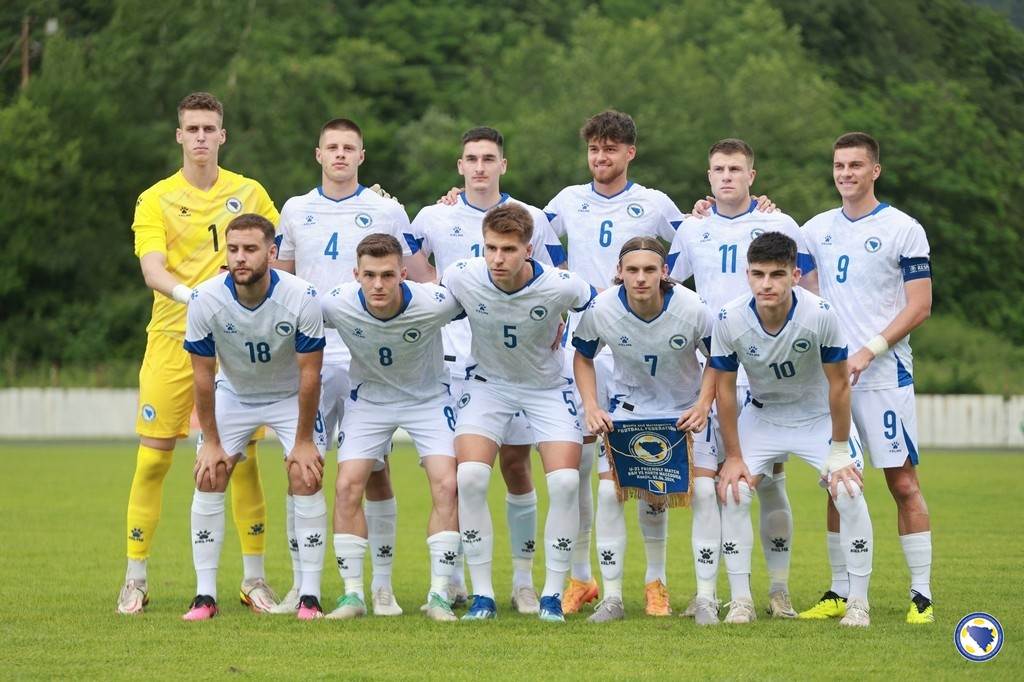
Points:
(61, 532)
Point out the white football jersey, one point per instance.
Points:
(597, 226)
(256, 348)
(398, 359)
(787, 384)
(513, 332)
(862, 266)
(656, 369)
(452, 233)
(321, 234)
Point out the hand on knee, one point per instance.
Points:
(746, 497)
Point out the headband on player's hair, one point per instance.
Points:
(622, 254)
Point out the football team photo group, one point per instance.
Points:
(485, 330)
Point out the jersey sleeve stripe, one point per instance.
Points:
(915, 268)
(593, 293)
(725, 363)
(587, 348)
(204, 347)
(805, 262)
(414, 243)
(671, 260)
(833, 353)
(556, 253)
(308, 344)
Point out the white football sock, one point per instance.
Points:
(350, 551)
(207, 539)
(293, 543)
(459, 571)
(560, 528)
(474, 478)
(252, 565)
(776, 530)
(443, 547)
(917, 548)
(381, 521)
(581, 550)
(856, 535)
(136, 569)
(654, 527)
(611, 538)
(706, 535)
(738, 540)
(311, 533)
(521, 514)
(837, 560)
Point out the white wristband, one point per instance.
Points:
(838, 456)
(877, 345)
(181, 293)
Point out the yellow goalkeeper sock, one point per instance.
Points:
(248, 505)
(145, 499)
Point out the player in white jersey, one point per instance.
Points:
(515, 305)
(451, 232)
(652, 327)
(318, 234)
(393, 331)
(265, 329)
(874, 265)
(713, 250)
(597, 218)
(789, 341)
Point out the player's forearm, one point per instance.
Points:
(286, 265)
(917, 310)
(839, 400)
(157, 278)
(309, 395)
(419, 268)
(586, 380)
(708, 387)
(204, 398)
(727, 414)
(810, 282)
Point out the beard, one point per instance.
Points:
(254, 275)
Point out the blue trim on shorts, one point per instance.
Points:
(910, 445)
(903, 377)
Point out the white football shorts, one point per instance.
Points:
(763, 443)
(486, 408)
(367, 428)
(887, 421)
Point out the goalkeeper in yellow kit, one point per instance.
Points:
(179, 239)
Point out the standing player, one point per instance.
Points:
(514, 305)
(713, 251)
(179, 239)
(451, 232)
(319, 232)
(266, 331)
(393, 331)
(874, 265)
(789, 341)
(652, 327)
(597, 218)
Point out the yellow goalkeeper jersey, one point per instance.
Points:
(187, 225)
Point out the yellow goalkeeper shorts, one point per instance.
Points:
(165, 389)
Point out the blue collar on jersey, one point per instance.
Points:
(501, 200)
(230, 284)
(610, 196)
(792, 309)
(359, 190)
(406, 297)
(866, 215)
(625, 303)
(750, 209)
(537, 272)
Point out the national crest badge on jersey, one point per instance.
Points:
(284, 328)
(538, 313)
(233, 205)
(411, 335)
(635, 211)
(677, 342)
(364, 220)
(801, 345)
(651, 460)
(872, 244)
(148, 413)
(756, 232)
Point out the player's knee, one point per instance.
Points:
(348, 492)
(445, 489)
(298, 485)
(846, 500)
(705, 499)
(473, 479)
(378, 485)
(904, 487)
(515, 468)
(563, 484)
(746, 496)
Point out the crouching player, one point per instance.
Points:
(393, 330)
(788, 341)
(515, 306)
(651, 326)
(266, 330)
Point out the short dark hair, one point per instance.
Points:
(483, 133)
(341, 124)
(200, 101)
(856, 139)
(645, 244)
(610, 125)
(379, 245)
(772, 247)
(252, 221)
(732, 145)
(510, 218)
